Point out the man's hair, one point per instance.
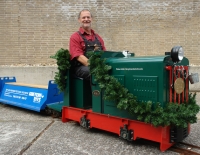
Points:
(83, 11)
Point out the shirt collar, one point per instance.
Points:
(82, 31)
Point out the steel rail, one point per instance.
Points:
(191, 145)
(184, 151)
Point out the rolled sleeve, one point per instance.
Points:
(76, 46)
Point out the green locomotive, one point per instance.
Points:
(135, 97)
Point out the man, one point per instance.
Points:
(83, 41)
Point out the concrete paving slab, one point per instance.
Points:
(15, 136)
(19, 128)
(71, 139)
(194, 137)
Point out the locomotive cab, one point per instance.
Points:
(82, 93)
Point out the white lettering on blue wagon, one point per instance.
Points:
(23, 95)
(36, 99)
(16, 94)
(24, 98)
(36, 96)
(31, 94)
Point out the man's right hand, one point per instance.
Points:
(82, 59)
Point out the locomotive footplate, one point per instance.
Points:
(125, 133)
(125, 128)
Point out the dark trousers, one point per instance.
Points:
(82, 72)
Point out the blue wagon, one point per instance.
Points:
(29, 96)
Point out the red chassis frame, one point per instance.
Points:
(113, 124)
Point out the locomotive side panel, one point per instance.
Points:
(144, 78)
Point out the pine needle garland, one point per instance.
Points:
(63, 61)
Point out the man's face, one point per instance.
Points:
(85, 19)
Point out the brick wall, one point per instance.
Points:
(32, 30)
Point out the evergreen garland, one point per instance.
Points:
(172, 114)
(63, 61)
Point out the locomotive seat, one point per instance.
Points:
(81, 96)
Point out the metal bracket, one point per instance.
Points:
(126, 134)
(178, 134)
(85, 122)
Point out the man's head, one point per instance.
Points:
(85, 19)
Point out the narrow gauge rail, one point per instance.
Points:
(189, 149)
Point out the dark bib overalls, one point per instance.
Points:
(79, 69)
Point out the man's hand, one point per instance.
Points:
(82, 59)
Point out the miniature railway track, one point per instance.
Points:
(186, 149)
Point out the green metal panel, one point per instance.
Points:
(67, 92)
(144, 77)
(57, 106)
(96, 97)
(110, 107)
(77, 92)
(145, 88)
(111, 54)
(120, 78)
(81, 95)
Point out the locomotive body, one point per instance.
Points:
(149, 78)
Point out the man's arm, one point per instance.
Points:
(76, 46)
(82, 59)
